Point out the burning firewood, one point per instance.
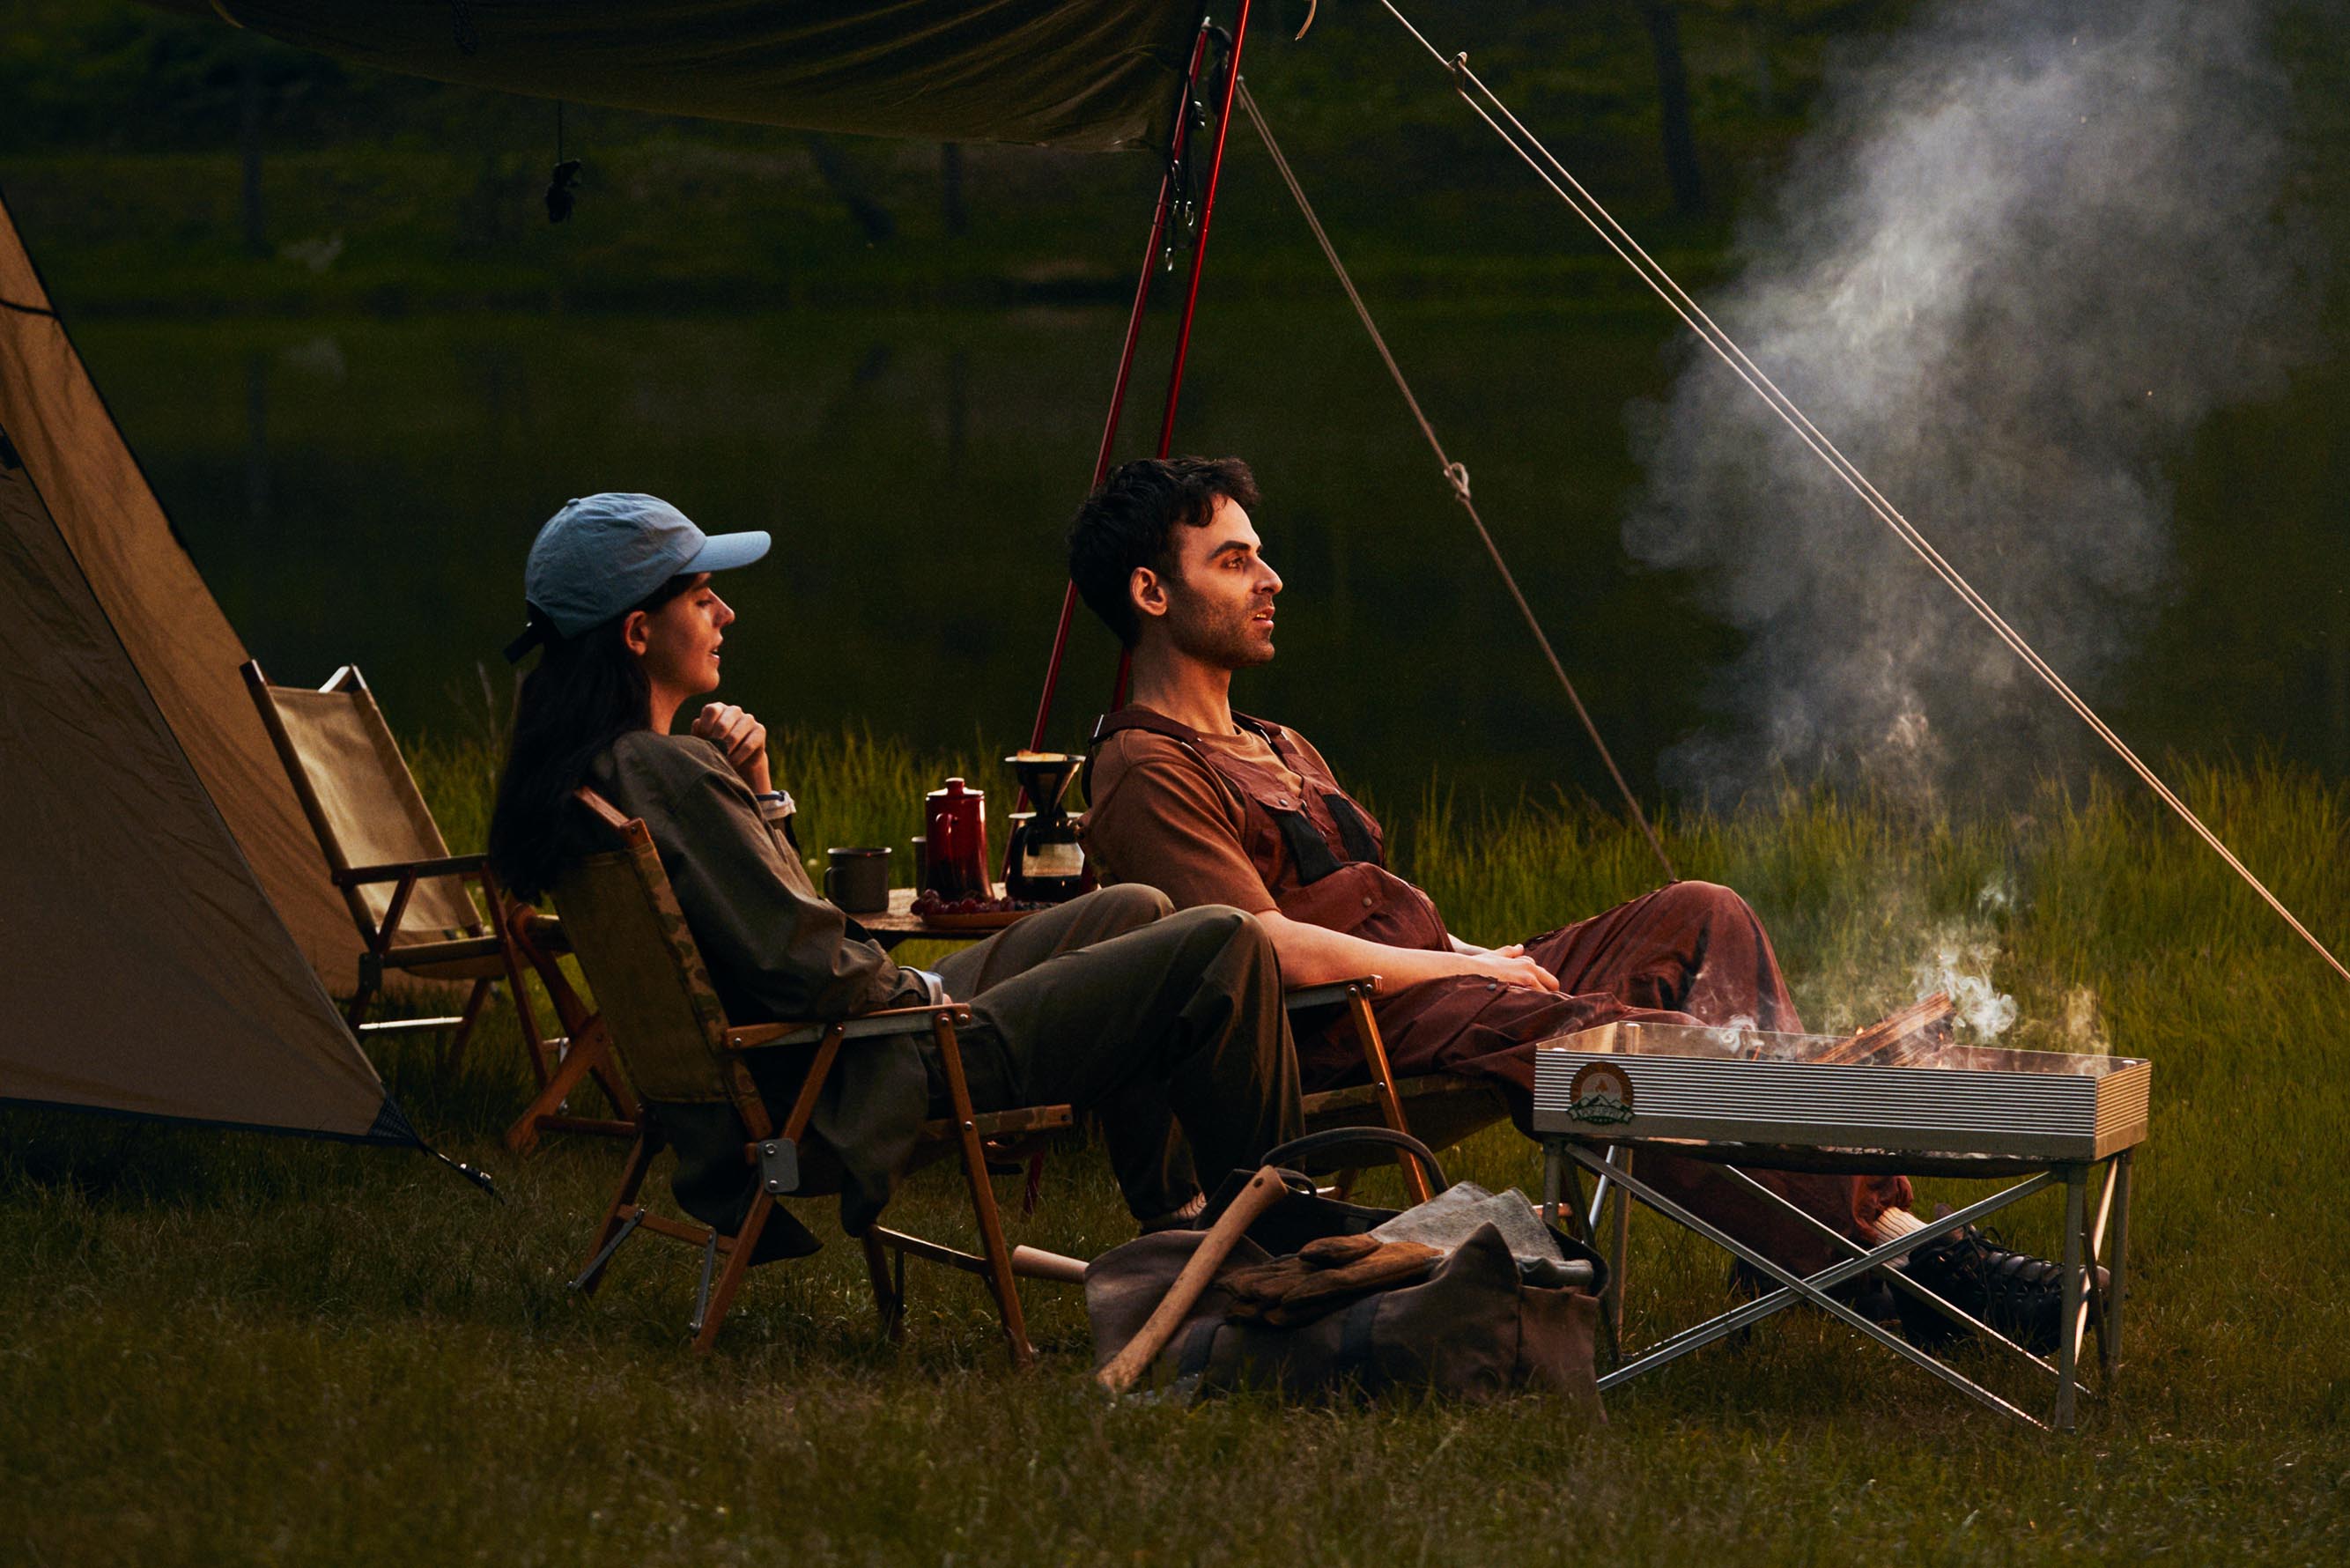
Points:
(1900, 1038)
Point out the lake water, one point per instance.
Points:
(364, 492)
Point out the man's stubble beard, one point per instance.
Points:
(1225, 643)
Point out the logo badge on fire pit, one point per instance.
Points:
(1601, 1093)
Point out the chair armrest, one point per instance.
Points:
(392, 870)
(1328, 994)
(889, 1021)
(540, 930)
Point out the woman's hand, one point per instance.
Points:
(744, 740)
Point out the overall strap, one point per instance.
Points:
(1133, 718)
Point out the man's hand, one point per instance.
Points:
(1315, 955)
(1472, 950)
(1510, 966)
(744, 740)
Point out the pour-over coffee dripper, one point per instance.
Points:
(1048, 864)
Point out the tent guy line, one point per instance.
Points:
(1530, 149)
(1456, 476)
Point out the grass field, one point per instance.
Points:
(228, 1348)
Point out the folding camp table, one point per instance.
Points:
(1767, 1101)
(898, 923)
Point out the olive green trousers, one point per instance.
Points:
(1116, 1006)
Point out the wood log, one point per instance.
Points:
(1892, 1029)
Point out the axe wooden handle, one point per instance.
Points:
(1127, 1367)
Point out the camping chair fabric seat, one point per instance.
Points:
(356, 783)
(1441, 1107)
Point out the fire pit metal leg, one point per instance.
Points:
(2069, 1325)
(2109, 1342)
(1552, 1162)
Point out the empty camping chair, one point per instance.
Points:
(410, 898)
(672, 1036)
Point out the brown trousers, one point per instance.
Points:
(1112, 1004)
(1692, 951)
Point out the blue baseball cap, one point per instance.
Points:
(602, 556)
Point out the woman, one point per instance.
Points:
(1139, 1015)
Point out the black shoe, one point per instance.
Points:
(2020, 1295)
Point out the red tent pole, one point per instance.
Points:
(1200, 245)
(1125, 366)
(1191, 295)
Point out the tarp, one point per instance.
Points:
(143, 968)
(1087, 74)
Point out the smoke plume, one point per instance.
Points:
(2027, 248)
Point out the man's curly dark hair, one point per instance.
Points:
(1130, 522)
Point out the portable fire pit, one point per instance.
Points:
(1896, 1098)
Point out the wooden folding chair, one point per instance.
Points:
(672, 1038)
(1438, 1108)
(408, 895)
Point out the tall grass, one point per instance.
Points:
(219, 1348)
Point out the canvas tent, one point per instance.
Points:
(153, 844)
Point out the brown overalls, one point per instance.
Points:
(1690, 951)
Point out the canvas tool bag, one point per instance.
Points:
(1474, 1329)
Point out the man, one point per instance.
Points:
(1213, 806)
(1112, 1002)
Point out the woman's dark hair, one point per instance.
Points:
(1130, 521)
(586, 693)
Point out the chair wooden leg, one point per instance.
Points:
(453, 1052)
(535, 1046)
(730, 1278)
(580, 1060)
(632, 1178)
(356, 1013)
(983, 1198)
(607, 1078)
(1375, 1057)
(888, 1300)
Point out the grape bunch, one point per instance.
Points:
(929, 905)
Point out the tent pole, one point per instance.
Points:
(1176, 146)
(1191, 295)
(1199, 245)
